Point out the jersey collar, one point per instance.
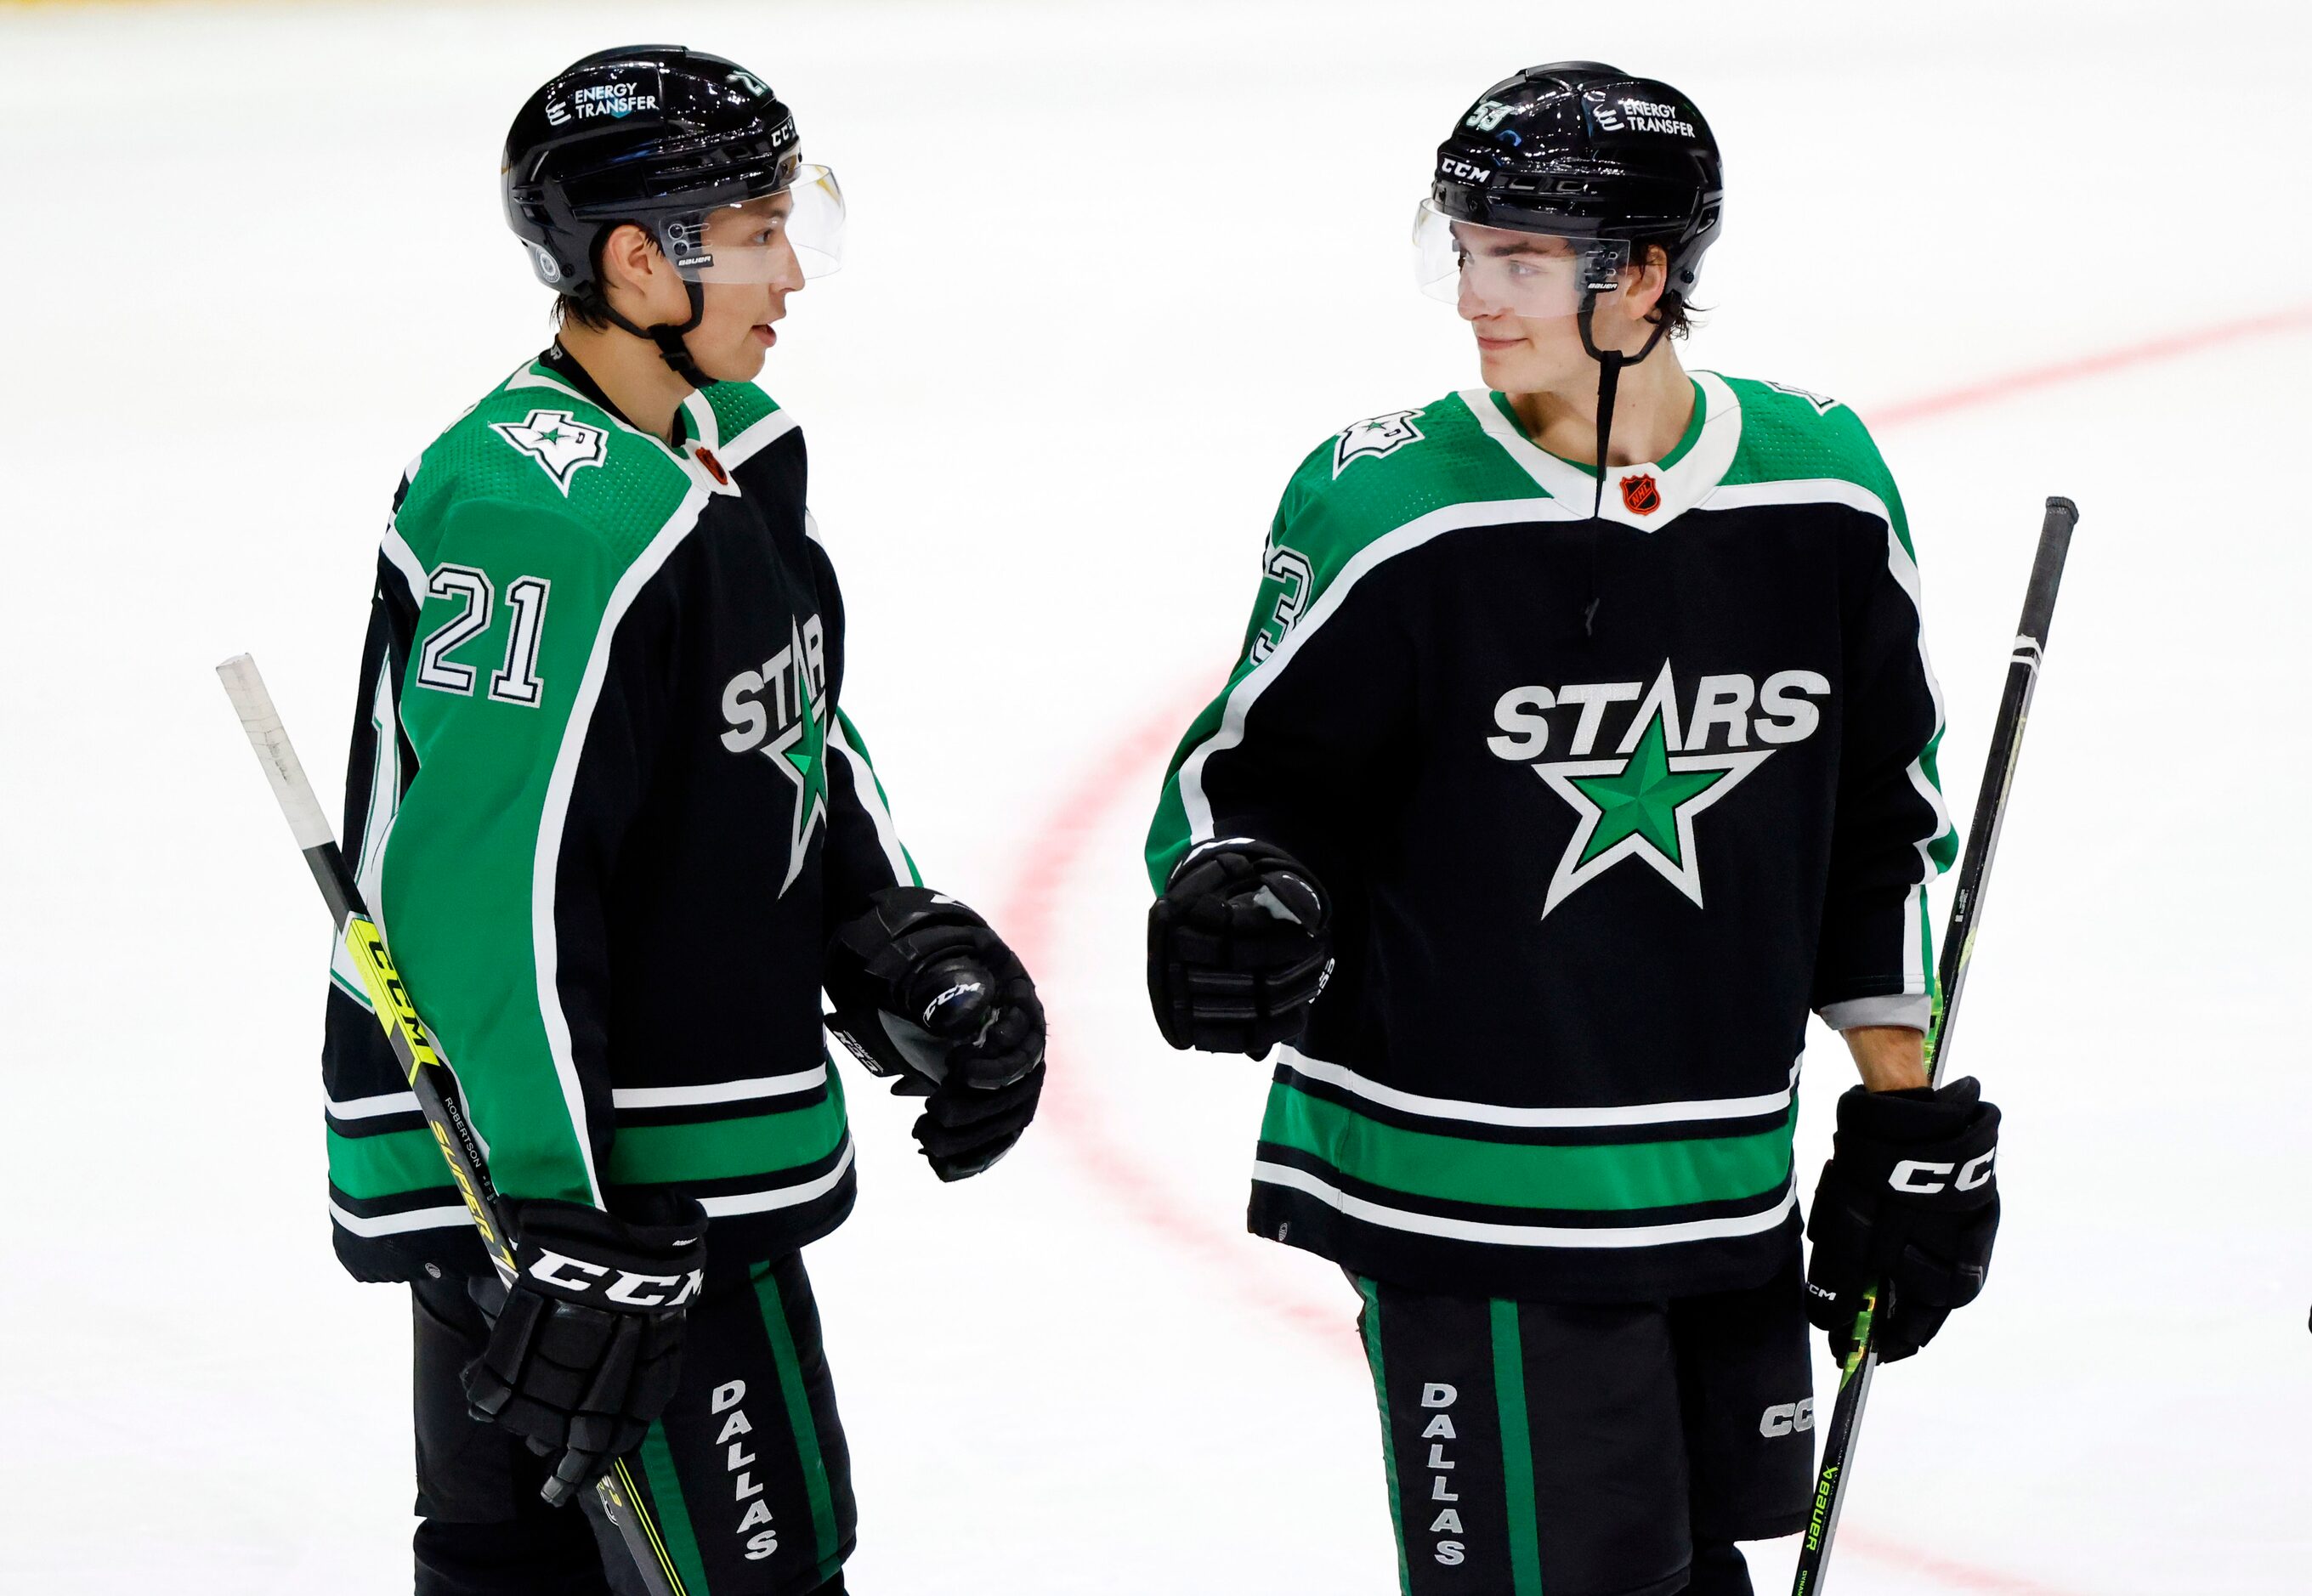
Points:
(1678, 487)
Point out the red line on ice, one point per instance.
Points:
(2150, 351)
(1030, 918)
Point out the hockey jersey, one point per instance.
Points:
(606, 807)
(1606, 804)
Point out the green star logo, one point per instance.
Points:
(799, 752)
(1644, 797)
(1641, 805)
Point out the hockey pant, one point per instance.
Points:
(746, 1474)
(1590, 1450)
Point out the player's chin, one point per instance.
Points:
(1504, 362)
(741, 358)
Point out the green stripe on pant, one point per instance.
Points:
(796, 1393)
(672, 1512)
(1369, 1321)
(1517, 1450)
(747, 1470)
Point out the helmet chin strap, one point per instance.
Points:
(676, 353)
(1610, 362)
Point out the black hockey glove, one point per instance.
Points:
(1238, 946)
(927, 992)
(1910, 1199)
(964, 1129)
(586, 1346)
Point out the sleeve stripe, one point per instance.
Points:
(1451, 518)
(404, 559)
(545, 864)
(377, 824)
(371, 1108)
(444, 1218)
(869, 793)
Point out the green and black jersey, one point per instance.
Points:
(1607, 805)
(606, 807)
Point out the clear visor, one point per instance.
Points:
(1492, 271)
(786, 237)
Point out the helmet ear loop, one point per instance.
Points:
(672, 350)
(667, 335)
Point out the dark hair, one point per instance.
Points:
(1671, 312)
(587, 310)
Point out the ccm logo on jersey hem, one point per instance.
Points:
(1916, 1175)
(581, 1281)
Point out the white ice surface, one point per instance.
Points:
(1112, 272)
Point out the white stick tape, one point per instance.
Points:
(283, 774)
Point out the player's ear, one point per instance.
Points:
(630, 259)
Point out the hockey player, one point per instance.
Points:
(621, 832)
(1582, 742)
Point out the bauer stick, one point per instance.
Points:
(614, 1499)
(1951, 980)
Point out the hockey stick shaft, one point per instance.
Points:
(1957, 952)
(430, 1078)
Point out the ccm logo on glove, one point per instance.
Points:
(666, 1291)
(1912, 1174)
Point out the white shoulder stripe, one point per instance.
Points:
(1450, 517)
(545, 862)
(1805, 490)
(750, 440)
(404, 559)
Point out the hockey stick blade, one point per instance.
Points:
(1861, 1363)
(431, 1080)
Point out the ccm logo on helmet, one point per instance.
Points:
(1912, 1174)
(1453, 168)
(1783, 1417)
(634, 1290)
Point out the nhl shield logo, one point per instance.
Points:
(1641, 493)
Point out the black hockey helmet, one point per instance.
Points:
(661, 136)
(1582, 150)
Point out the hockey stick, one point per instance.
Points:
(614, 1499)
(1950, 977)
